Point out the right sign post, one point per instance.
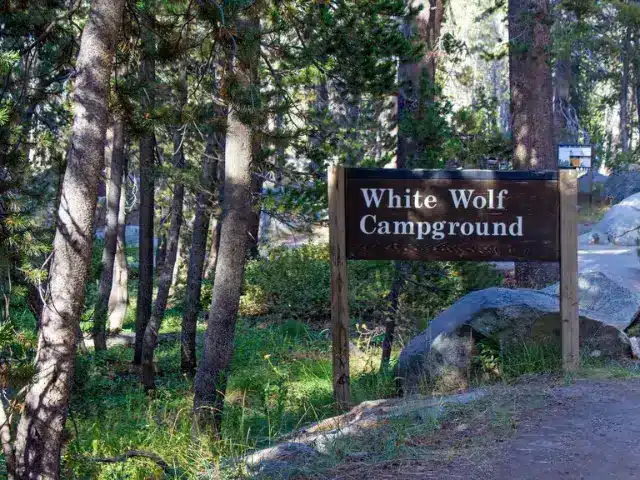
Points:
(568, 218)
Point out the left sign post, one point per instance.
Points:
(339, 285)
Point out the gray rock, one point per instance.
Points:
(621, 185)
(620, 225)
(605, 295)
(442, 353)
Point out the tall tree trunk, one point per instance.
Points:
(624, 93)
(637, 88)
(254, 219)
(434, 25)
(632, 106)
(116, 149)
(177, 266)
(161, 252)
(531, 84)
(213, 371)
(119, 298)
(562, 129)
(531, 109)
(426, 25)
(147, 187)
(39, 435)
(212, 258)
(196, 260)
(150, 341)
(215, 220)
(411, 74)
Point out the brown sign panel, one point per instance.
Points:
(455, 215)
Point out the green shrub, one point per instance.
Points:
(296, 284)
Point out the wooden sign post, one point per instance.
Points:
(568, 190)
(425, 215)
(339, 286)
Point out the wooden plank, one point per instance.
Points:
(339, 286)
(407, 174)
(419, 217)
(568, 190)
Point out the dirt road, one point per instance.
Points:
(586, 430)
(590, 431)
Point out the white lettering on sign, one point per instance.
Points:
(461, 199)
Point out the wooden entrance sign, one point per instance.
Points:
(477, 215)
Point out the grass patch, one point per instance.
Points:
(530, 358)
(280, 380)
(495, 362)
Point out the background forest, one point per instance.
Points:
(164, 273)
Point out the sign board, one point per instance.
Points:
(451, 215)
(574, 156)
(456, 215)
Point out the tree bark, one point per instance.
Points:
(39, 435)
(637, 87)
(196, 261)
(161, 252)
(147, 187)
(212, 258)
(254, 220)
(215, 220)
(390, 321)
(119, 298)
(213, 371)
(624, 93)
(531, 109)
(150, 340)
(563, 131)
(426, 26)
(116, 162)
(411, 73)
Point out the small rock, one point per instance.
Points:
(595, 354)
(462, 427)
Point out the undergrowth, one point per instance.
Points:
(281, 380)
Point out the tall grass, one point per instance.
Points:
(280, 381)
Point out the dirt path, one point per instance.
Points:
(587, 430)
(590, 431)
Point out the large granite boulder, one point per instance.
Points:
(619, 226)
(621, 185)
(442, 353)
(606, 294)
